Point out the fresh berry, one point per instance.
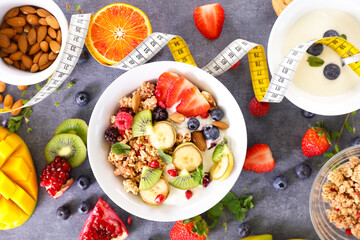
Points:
(83, 182)
(188, 231)
(153, 164)
(159, 198)
(206, 180)
(258, 109)
(316, 141)
(63, 212)
(235, 65)
(164, 82)
(244, 229)
(356, 141)
(55, 177)
(193, 124)
(124, 109)
(332, 71)
(177, 90)
(307, 114)
(173, 172)
(129, 220)
(159, 114)
(331, 33)
(112, 134)
(259, 159)
(348, 232)
(209, 20)
(193, 103)
(303, 170)
(188, 194)
(315, 49)
(84, 56)
(205, 115)
(82, 98)
(161, 104)
(280, 183)
(211, 132)
(84, 207)
(124, 120)
(217, 114)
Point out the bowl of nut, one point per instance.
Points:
(32, 39)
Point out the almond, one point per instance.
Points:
(9, 32)
(13, 47)
(2, 87)
(34, 49)
(27, 28)
(42, 21)
(22, 87)
(19, 103)
(199, 140)
(4, 25)
(16, 21)
(177, 117)
(46, 65)
(135, 101)
(54, 46)
(52, 33)
(51, 20)
(12, 13)
(1, 98)
(48, 39)
(16, 56)
(34, 68)
(58, 36)
(44, 58)
(23, 44)
(43, 13)
(209, 98)
(4, 41)
(221, 125)
(16, 64)
(52, 56)
(8, 101)
(3, 54)
(22, 66)
(27, 61)
(8, 61)
(41, 33)
(19, 29)
(32, 36)
(28, 10)
(16, 37)
(37, 57)
(32, 19)
(44, 46)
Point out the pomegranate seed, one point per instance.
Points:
(161, 104)
(357, 215)
(206, 180)
(172, 172)
(122, 132)
(348, 231)
(337, 209)
(154, 164)
(188, 194)
(129, 221)
(137, 154)
(123, 109)
(332, 189)
(205, 115)
(212, 145)
(159, 198)
(357, 193)
(140, 145)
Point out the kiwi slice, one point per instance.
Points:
(74, 126)
(184, 181)
(142, 124)
(149, 177)
(68, 146)
(220, 151)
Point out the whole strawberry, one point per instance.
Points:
(190, 229)
(316, 141)
(258, 109)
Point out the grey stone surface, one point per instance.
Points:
(285, 214)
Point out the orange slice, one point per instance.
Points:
(115, 30)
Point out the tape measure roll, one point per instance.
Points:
(264, 89)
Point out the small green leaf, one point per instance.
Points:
(353, 113)
(215, 221)
(335, 135)
(28, 130)
(77, 7)
(216, 210)
(26, 120)
(25, 101)
(57, 104)
(58, 88)
(336, 148)
(225, 227)
(198, 175)
(70, 84)
(164, 157)
(228, 198)
(120, 148)
(343, 36)
(23, 93)
(315, 61)
(348, 127)
(329, 155)
(38, 87)
(234, 206)
(247, 201)
(241, 215)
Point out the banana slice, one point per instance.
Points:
(187, 156)
(163, 136)
(221, 169)
(161, 187)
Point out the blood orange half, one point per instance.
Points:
(115, 30)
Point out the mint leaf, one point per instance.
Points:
(228, 198)
(216, 210)
(315, 61)
(164, 157)
(77, 7)
(335, 135)
(247, 201)
(353, 113)
(336, 148)
(57, 104)
(198, 175)
(234, 206)
(70, 84)
(329, 155)
(120, 148)
(343, 36)
(241, 215)
(348, 127)
(28, 130)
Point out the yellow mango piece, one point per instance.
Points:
(259, 237)
(7, 187)
(6, 151)
(12, 214)
(16, 168)
(23, 200)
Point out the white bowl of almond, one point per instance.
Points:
(32, 39)
(167, 141)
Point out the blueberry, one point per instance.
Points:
(84, 56)
(84, 207)
(356, 141)
(217, 114)
(307, 114)
(63, 212)
(315, 49)
(332, 71)
(82, 98)
(83, 182)
(331, 33)
(280, 183)
(193, 123)
(303, 170)
(244, 230)
(160, 114)
(211, 132)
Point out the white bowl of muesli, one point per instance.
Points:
(166, 141)
(335, 197)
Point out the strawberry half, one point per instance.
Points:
(209, 20)
(176, 91)
(259, 159)
(194, 228)
(193, 103)
(316, 141)
(164, 82)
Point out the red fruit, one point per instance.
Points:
(172, 172)
(316, 141)
(123, 120)
(159, 198)
(185, 230)
(129, 221)
(55, 177)
(205, 115)
(259, 159)
(163, 84)
(153, 164)
(235, 65)
(161, 104)
(193, 103)
(348, 231)
(177, 90)
(188, 194)
(209, 20)
(258, 109)
(103, 223)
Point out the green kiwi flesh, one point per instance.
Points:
(74, 126)
(142, 124)
(184, 181)
(149, 178)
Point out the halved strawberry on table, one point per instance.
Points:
(177, 90)
(164, 82)
(193, 103)
(190, 229)
(209, 20)
(259, 159)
